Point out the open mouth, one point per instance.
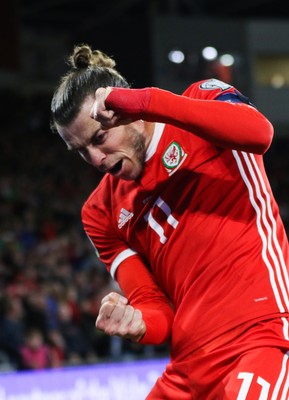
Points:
(116, 168)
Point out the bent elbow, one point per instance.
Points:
(265, 139)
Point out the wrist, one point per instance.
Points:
(129, 102)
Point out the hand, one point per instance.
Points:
(117, 317)
(99, 112)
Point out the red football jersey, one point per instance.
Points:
(204, 220)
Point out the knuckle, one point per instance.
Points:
(138, 312)
(123, 331)
(99, 325)
(110, 331)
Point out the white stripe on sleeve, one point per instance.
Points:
(119, 259)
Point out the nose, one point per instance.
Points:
(95, 157)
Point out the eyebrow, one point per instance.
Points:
(78, 148)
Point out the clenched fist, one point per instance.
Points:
(108, 118)
(117, 317)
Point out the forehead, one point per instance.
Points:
(79, 131)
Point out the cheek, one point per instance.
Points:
(117, 144)
(124, 140)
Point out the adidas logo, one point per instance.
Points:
(124, 216)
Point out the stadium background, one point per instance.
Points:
(51, 282)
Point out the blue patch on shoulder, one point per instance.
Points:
(235, 97)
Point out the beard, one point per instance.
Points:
(139, 145)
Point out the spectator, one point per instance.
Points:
(35, 354)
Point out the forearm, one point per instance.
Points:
(158, 320)
(228, 125)
(144, 294)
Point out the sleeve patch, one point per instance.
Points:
(235, 97)
(213, 84)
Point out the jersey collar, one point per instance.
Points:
(158, 131)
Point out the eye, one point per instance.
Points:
(98, 138)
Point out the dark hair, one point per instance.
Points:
(90, 69)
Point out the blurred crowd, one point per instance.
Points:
(51, 280)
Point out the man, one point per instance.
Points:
(186, 222)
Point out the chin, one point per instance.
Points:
(131, 177)
(130, 170)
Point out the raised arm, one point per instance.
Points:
(225, 124)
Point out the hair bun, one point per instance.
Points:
(83, 57)
(102, 60)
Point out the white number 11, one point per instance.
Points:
(155, 225)
(247, 381)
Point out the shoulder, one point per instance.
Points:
(214, 89)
